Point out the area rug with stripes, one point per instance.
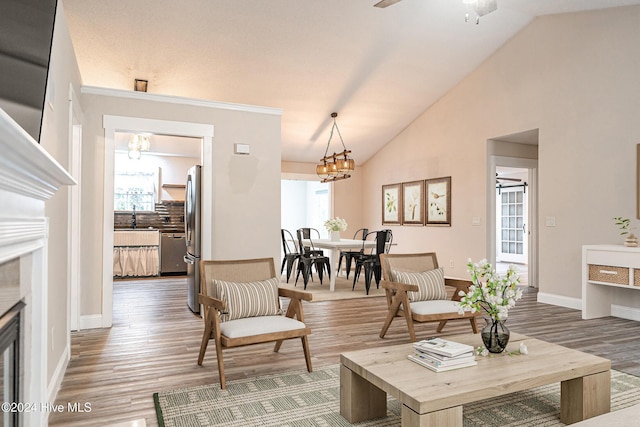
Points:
(301, 399)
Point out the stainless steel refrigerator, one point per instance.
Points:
(192, 210)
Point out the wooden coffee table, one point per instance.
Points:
(436, 399)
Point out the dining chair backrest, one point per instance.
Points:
(287, 238)
(388, 241)
(307, 233)
(362, 232)
(305, 248)
(384, 238)
(368, 237)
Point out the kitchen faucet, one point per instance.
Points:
(133, 218)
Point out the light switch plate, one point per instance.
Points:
(241, 149)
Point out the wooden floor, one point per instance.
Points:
(153, 345)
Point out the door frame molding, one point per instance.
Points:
(532, 166)
(113, 124)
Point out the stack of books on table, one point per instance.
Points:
(440, 355)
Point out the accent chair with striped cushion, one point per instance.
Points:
(241, 301)
(415, 288)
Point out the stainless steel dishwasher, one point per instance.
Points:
(172, 251)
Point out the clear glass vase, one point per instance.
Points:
(495, 335)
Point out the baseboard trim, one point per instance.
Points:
(559, 300)
(629, 313)
(623, 312)
(58, 375)
(93, 321)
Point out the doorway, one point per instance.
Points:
(512, 215)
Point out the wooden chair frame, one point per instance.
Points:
(249, 270)
(398, 301)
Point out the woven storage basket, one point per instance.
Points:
(609, 274)
(636, 277)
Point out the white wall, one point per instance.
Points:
(55, 135)
(575, 78)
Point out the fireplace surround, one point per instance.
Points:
(29, 176)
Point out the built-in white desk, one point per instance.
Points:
(605, 270)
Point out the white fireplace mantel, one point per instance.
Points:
(29, 176)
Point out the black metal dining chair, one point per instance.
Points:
(290, 257)
(310, 258)
(310, 233)
(350, 255)
(369, 258)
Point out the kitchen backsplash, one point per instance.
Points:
(168, 215)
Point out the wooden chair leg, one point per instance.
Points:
(474, 325)
(307, 353)
(223, 380)
(206, 336)
(441, 325)
(408, 317)
(393, 312)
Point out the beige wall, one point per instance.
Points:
(63, 71)
(246, 189)
(575, 78)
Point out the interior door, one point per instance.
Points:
(512, 229)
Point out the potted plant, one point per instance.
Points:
(493, 296)
(624, 224)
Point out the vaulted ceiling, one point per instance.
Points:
(378, 68)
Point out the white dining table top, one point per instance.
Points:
(342, 243)
(339, 244)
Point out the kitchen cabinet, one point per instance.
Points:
(136, 253)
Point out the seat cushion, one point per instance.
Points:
(259, 325)
(430, 284)
(434, 307)
(248, 299)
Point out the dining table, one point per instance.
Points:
(334, 247)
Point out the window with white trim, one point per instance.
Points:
(134, 189)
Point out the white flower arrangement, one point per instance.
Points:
(335, 224)
(490, 293)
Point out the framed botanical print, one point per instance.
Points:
(413, 203)
(391, 203)
(438, 201)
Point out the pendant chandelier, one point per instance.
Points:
(137, 144)
(338, 165)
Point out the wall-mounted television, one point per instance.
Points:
(26, 33)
